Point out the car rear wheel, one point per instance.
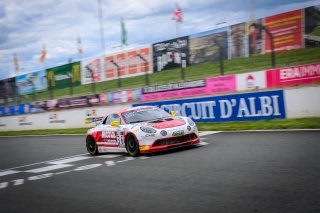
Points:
(91, 146)
(132, 146)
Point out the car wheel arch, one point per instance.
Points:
(131, 134)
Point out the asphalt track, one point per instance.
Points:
(228, 172)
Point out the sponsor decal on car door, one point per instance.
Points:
(110, 138)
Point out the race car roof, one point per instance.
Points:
(135, 108)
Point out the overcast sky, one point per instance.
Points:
(26, 25)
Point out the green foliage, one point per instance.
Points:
(298, 123)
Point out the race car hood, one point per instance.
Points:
(167, 123)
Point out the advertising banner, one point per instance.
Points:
(74, 102)
(7, 110)
(216, 85)
(170, 54)
(251, 80)
(131, 63)
(238, 41)
(205, 46)
(65, 75)
(255, 41)
(221, 84)
(174, 86)
(69, 103)
(312, 26)
(15, 110)
(90, 71)
(38, 106)
(124, 96)
(296, 75)
(286, 29)
(238, 107)
(35, 81)
(8, 89)
(96, 100)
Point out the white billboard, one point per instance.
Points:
(251, 80)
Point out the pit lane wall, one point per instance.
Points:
(271, 104)
(64, 119)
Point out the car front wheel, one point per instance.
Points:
(132, 146)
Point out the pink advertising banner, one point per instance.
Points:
(216, 85)
(289, 76)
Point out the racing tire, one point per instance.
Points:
(132, 146)
(91, 146)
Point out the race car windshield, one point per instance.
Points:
(136, 116)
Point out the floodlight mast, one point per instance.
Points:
(260, 27)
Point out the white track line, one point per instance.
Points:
(70, 160)
(48, 168)
(208, 133)
(49, 161)
(8, 172)
(202, 143)
(109, 156)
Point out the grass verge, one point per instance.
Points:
(298, 123)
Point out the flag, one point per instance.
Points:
(80, 50)
(177, 14)
(124, 36)
(43, 54)
(16, 62)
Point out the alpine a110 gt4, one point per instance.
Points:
(141, 130)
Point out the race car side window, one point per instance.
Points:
(112, 117)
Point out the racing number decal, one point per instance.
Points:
(120, 139)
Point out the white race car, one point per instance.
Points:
(141, 130)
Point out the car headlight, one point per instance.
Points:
(191, 123)
(148, 129)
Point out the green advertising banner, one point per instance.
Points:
(64, 76)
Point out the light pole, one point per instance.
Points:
(118, 73)
(260, 27)
(17, 94)
(183, 65)
(93, 83)
(221, 50)
(49, 83)
(70, 84)
(146, 75)
(50, 88)
(220, 42)
(33, 89)
(102, 59)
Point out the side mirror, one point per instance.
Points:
(115, 123)
(172, 113)
(86, 121)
